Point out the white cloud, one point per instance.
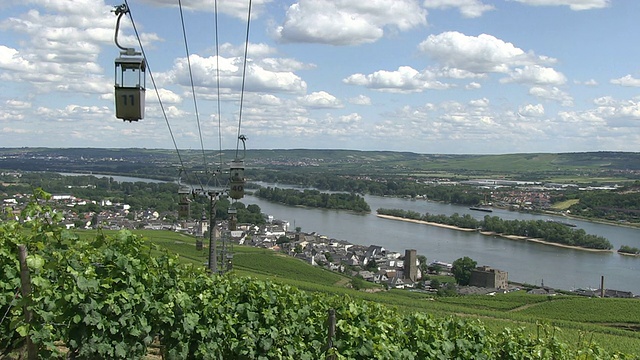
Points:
(320, 100)
(350, 118)
(360, 100)
(458, 73)
(468, 8)
(535, 74)
(254, 50)
(62, 46)
(484, 102)
(284, 64)
(346, 22)
(167, 96)
(552, 93)
(531, 110)
(575, 5)
(609, 108)
(10, 59)
(11, 130)
(473, 86)
(627, 80)
(258, 78)
(235, 8)
(18, 104)
(404, 80)
(478, 54)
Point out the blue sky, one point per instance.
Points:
(427, 76)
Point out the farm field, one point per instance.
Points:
(611, 323)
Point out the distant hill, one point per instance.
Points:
(165, 162)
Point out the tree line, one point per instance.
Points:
(383, 186)
(547, 230)
(617, 205)
(158, 196)
(314, 198)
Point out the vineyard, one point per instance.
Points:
(113, 296)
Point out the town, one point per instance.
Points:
(375, 264)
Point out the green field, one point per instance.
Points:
(614, 324)
(563, 205)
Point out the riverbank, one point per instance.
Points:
(425, 223)
(491, 233)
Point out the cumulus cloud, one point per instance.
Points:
(468, 8)
(350, 118)
(258, 78)
(167, 96)
(473, 86)
(575, 5)
(254, 50)
(10, 59)
(454, 73)
(611, 109)
(552, 93)
(480, 54)
(627, 80)
(237, 9)
(320, 100)
(531, 110)
(484, 102)
(404, 80)
(346, 22)
(18, 104)
(62, 46)
(535, 74)
(284, 64)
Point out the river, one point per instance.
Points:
(526, 262)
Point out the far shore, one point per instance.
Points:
(491, 233)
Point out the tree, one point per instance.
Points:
(424, 267)
(447, 290)
(462, 270)
(435, 284)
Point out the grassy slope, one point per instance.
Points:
(577, 318)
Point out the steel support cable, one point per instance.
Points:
(193, 89)
(153, 81)
(244, 76)
(215, 11)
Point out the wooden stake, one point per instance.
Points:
(25, 280)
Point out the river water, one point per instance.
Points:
(526, 262)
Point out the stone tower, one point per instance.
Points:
(410, 267)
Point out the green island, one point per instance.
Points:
(629, 250)
(545, 231)
(314, 198)
(144, 294)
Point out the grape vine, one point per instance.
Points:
(112, 297)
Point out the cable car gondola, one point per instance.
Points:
(130, 79)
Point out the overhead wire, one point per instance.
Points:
(244, 76)
(153, 81)
(215, 7)
(193, 90)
